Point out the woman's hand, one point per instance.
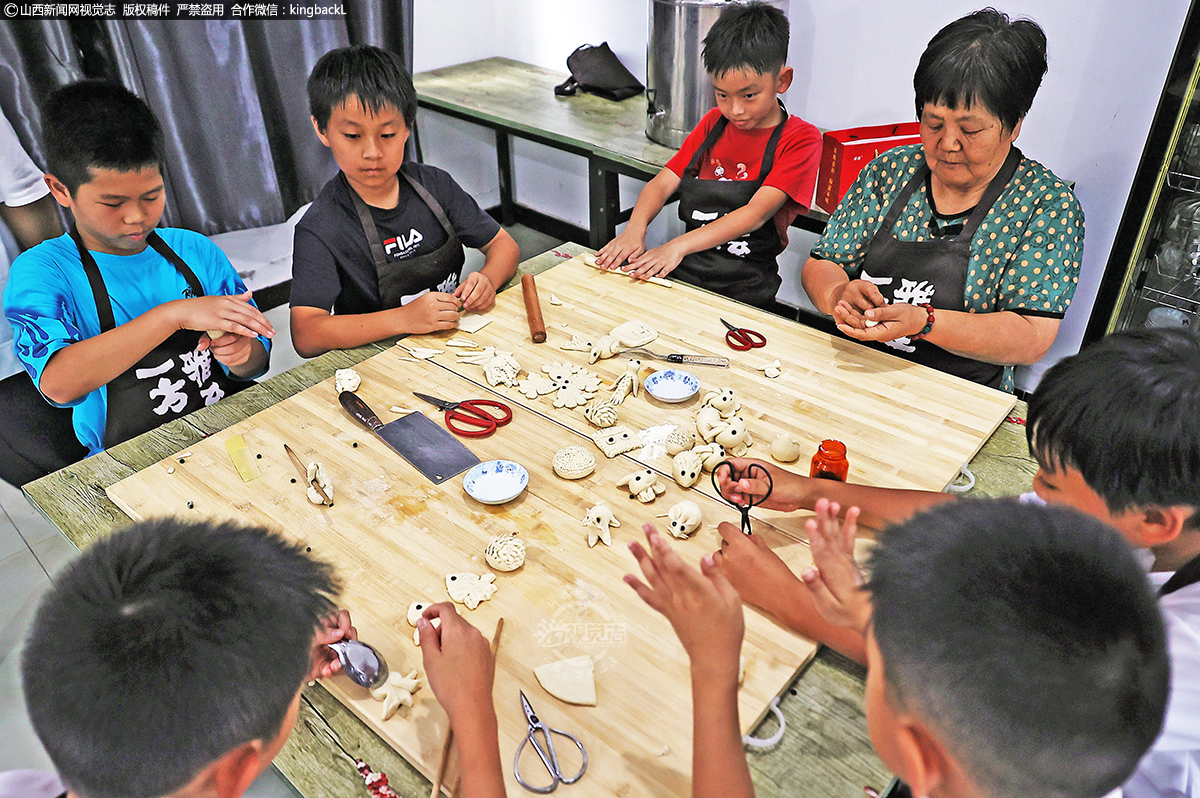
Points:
(882, 323)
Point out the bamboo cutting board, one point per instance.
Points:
(394, 536)
(904, 425)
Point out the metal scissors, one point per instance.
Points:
(754, 471)
(741, 339)
(469, 418)
(545, 753)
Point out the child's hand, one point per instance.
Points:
(658, 262)
(431, 312)
(325, 660)
(458, 661)
(760, 577)
(228, 348)
(703, 608)
(835, 580)
(476, 292)
(232, 314)
(744, 490)
(626, 246)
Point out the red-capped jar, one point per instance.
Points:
(830, 462)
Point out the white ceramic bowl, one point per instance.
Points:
(672, 385)
(496, 481)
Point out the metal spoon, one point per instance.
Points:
(363, 664)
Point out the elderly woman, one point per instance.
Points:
(959, 253)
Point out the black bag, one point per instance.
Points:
(597, 69)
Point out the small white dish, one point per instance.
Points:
(496, 481)
(672, 385)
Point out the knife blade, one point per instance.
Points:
(694, 360)
(427, 447)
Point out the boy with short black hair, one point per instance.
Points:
(743, 173)
(378, 254)
(185, 646)
(1012, 651)
(115, 319)
(1116, 433)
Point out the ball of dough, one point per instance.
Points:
(785, 448)
(573, 462)
(505, 552)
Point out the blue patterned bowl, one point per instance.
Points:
(496, 481)
(672, 385)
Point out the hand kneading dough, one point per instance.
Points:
(569, 680)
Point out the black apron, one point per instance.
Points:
(745, 268)
(408, 276)
(934, 271)
(172, 379)
(1186, 576)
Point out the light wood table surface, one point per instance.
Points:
(517, 99)
(825, 752)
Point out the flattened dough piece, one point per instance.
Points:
(570, 680)
(470, 589)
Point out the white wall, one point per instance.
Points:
(854, 64)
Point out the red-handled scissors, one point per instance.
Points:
(741, 339)
(469, 418)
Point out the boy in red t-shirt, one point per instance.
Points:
(747, 163)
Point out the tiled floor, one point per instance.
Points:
(32, 551)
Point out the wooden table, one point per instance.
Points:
(826, 748)
(517, 99)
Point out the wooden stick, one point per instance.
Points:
(446, 746)
(533, 309)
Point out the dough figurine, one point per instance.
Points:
(643, 485)
(685, 519)
(573, 462)
(735, 437)
(346, 380)
(633, 333)
(774, 368)
(576, 344)
(711, 453)
(414, 614)
(601, 413)
(679, 440)
(604, 347)
(316, 471)
(505, 552)
(724, 400)
(785, 448)
(709, 423)
(628, 382)
(575, 384)
(616, 440)
(470, 589)
(601, 517)
(396, 692)
(686, 468)
(536, 385)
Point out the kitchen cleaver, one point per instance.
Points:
(430, 449)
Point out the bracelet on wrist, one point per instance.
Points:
(928, 323)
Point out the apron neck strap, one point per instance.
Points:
(1186, 576)
(768, 160)
(368, 224)
(100, 291)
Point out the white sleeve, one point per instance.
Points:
(21, 181)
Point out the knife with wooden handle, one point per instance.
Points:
(328, 502)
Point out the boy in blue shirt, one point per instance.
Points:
(380, 251)
(119, 321)
(742, 174)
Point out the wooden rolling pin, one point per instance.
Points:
(533, 309)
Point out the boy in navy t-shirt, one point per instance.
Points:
(380, 251)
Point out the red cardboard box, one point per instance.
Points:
(846, 152)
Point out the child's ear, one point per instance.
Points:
(926, 761)
(59, 191)
(1162, 525)
(320, 133)
(231, 775)
(784, 79)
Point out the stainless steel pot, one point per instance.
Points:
(678, 90)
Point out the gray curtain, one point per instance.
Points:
(240, 149)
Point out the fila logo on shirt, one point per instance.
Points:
(402, 246)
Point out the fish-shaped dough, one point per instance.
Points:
(415, 611)
(470, 589)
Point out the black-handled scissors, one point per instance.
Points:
(469, 418)
(741, 339)
(545, 752)
(753, 471)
